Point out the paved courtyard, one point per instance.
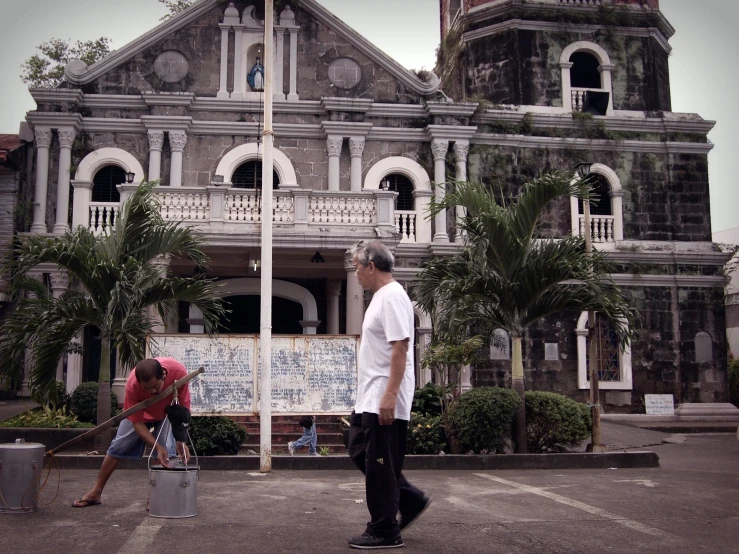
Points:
(687, 505)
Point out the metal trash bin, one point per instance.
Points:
(21, 464)
(173, 491)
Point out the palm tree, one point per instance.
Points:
(119, 285)
(505, 277)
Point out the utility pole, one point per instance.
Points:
(583, 171)
(265, 326)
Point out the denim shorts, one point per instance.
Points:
(127, 445)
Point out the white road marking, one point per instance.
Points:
(141, 538)
(646, 482)
(631, 524)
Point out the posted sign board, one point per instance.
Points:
(659, 404)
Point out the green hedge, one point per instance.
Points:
(483, 417)
(555, 423)
(425, 434)
(216, 435)
(55, 399)
(84, 402)
(427, 400)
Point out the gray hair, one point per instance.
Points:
(376, 252)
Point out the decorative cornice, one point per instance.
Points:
(450, 132)
(111, 125)
(298, 130)
(346, 104)
(396, 110)
(56, 95)
(175, 99)
(683, 281)
(346, 128)
(307, 107)
(647, 147)
(552, 27)
(237, 128)
(396, 134)
(121, 101)
(166, 122)
(54, 120)
(465, 109)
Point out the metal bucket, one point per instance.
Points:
(173, 491)
(21, 464)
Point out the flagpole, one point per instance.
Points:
(265, 328)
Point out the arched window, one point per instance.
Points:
(603, 204)
(584, 72)
(249, 176)
(104, 184)
(612, 364)
(404, 187)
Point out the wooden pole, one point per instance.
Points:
(123, 415)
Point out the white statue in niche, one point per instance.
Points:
(256, 76)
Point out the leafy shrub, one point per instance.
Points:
(57, 398)
(554, 422)
(84, 402)
(734, 382)
(425, 434)
(427, 400)
(483, 417)
(47, 417)
(216, 435)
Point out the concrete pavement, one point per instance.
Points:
(687, 505)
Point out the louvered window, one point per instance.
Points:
(104, 184)
(403, 186)
(249, 176)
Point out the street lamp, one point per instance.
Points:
(385, 184)
(583, 172)
(129, 177)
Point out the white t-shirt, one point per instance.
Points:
(389, 317)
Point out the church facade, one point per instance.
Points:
(360, 146)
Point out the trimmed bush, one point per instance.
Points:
(483, 417)
(425, 434)
(427, 400)
(216, 435)
(84, 402)
(734, 382)
(57, 398)
(555, 423)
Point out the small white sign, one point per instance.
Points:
(659, 404)
(551, 351)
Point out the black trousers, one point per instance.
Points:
(378, 451)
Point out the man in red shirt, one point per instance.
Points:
(149, 378)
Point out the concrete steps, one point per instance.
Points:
(286, 429)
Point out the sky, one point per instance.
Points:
(702, 78)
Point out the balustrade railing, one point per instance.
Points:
(601, 228)
(341, 209)
(405, 225)
(186, 206)
(102, 216)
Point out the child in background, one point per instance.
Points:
(309, 437)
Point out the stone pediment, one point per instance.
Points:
(170, 64)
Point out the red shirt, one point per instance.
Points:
(135, 393)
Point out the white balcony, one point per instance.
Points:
(232, 211)
(601, 228)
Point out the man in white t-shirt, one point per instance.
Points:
(385, 386)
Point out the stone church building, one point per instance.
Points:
(360, 142)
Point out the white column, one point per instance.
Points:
(66, 139)
(279, 93)
(461, 149)
(618, 214)
(566, 85)
(356, 147)
(195, 320)
(439, 148)
(223, 88)
(81, 203)
(333, 291)
(333, 145)
(59, 285)
(156, 142)
(605, 71)
(354, 298)
(293, 95)
(423, 225)
(239, 77)
(177, 142)
(74, 364)
(43, 141)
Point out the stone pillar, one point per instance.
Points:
(333, 291)
(356, 147)
(59, 285)
(439, 149)
(605, 72)
(423, 225)
(239, 77)
(278, 88)
(461, 149)
(161, 262)
(66, 139)
(81, 203)
(424, 340)
(43, 141)
(293, 94)
(354, 298)
(566, 85)
(177, 142)
(309, 326)
(223, 87)
(333, 145)
(74, 364)
(617, 198)
(465, 382)
(156, 142)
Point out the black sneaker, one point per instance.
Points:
(366, 542)
(406, 521)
